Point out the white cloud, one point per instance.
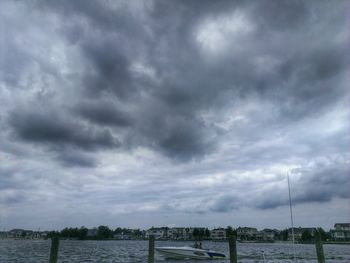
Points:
(224, 33)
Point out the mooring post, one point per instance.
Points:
(151, 249)
(233, 248)
(54, 249)
(319, 248)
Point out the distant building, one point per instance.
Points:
(218, 234)
(341, 232)
(176, 233)
(157, 232)
(298, 232)
(268, 234)
(246, 233)
(188, 233)
(342, 226)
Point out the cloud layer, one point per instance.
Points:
(179, 107)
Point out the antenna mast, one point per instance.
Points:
(291, 218)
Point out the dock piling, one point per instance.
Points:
(151, 249)
(319, 248)
(233, 248)
(54, 249)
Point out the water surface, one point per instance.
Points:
(37, 251)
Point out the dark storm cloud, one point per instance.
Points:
(165, 38)
(76, 159)
(51, 129)
(226, 203)
(104, 113)
(186, 99)
(110, 68)
(319, 185)
(281, 15)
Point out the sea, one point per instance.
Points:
(74, 251)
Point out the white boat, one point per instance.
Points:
(189, 253)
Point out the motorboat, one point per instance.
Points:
(189, 253)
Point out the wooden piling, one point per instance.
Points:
(233, 248)
(54, 249)
(319, 248)
(151, 249)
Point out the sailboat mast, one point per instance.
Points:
(291, 217)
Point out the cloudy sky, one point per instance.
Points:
(177, 113)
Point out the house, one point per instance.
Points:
(218, 234)
(188, 233)
(176, 233)
(16, 233)
(157, 232)
(298, 232)
(341, 232)
(268, 234)
(342, 226)
(246, 233)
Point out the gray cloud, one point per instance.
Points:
(176, 101)
(104, 113)
(320, 184)
(51, 129)
(226, 203)
(72, 159)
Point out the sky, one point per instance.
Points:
(173, 113)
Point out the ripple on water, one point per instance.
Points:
(74, 251)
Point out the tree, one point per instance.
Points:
(207, 233)
(230, 231)
(324, 234)
(195, 233)
(306, 236)
(103, 232)
(82, 232)
(284, 235)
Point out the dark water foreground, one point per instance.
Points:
(37, 251)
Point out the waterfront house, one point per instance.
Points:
(298, 232)
(218, 234)
(188, 233)
(268, 234)
(341, 232)
(176, 233)
(246, 233)
(157, 232)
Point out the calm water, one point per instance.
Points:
(37, 251)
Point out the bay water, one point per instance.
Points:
(75, 251)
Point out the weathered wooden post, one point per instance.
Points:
(54, 249)
(151, 249)
(319, 248)
(233, 248)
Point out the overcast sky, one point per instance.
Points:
(173, 113)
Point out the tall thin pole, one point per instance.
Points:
(291, 218)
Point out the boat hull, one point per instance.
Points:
(189, 253)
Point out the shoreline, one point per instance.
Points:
(171, 240)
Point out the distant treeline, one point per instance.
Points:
(102, 232)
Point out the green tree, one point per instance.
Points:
(103, 232)
(284, 235)
(230, 231)
(207, 233)
(82, 232)
(306, 236)
(195, 233)
(324, 234)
